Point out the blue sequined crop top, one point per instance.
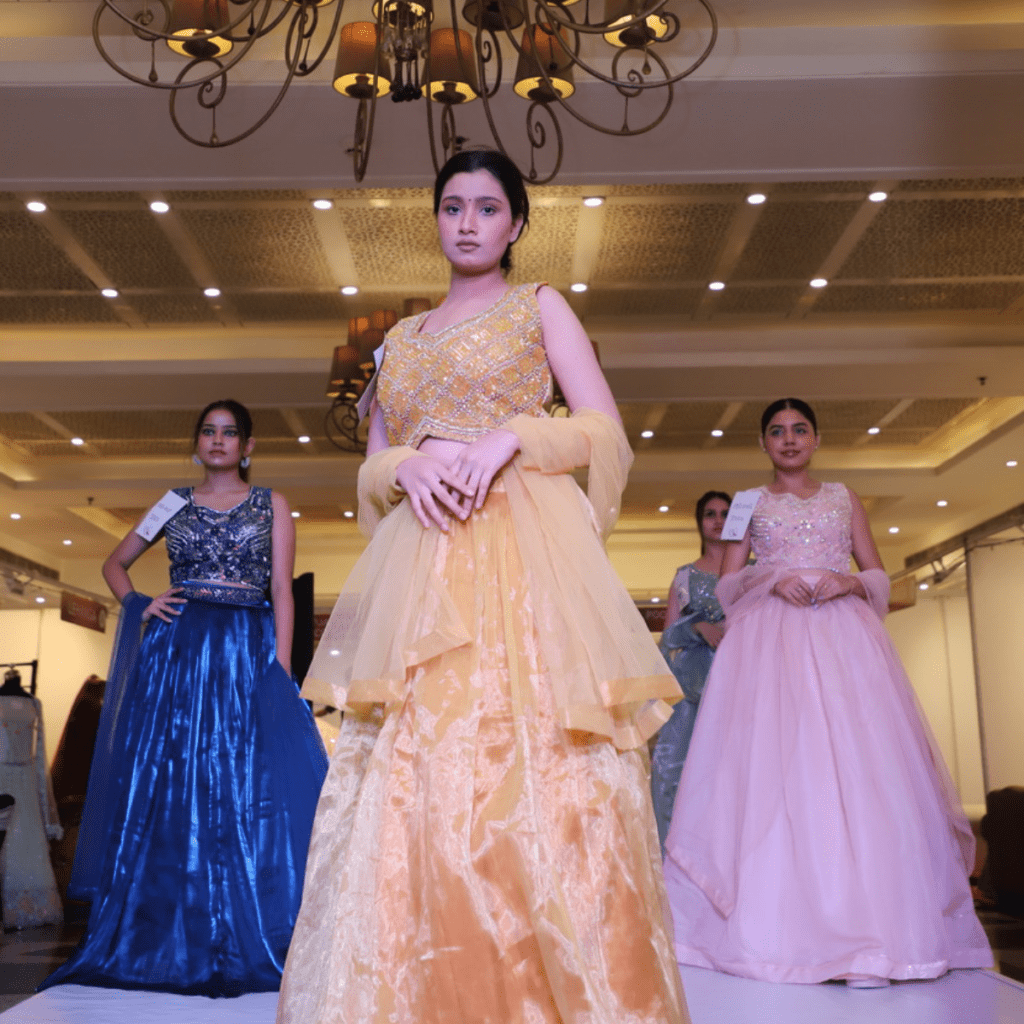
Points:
(230, 547)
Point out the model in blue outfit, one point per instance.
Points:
(692, 633)
(208, 764)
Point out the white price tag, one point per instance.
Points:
(169, 505)
(363, 405)
(740, 511)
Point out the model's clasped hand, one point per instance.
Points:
(163, 606)
(437, 491)
(797, 591)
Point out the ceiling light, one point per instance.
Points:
(35, 206)
(922, 586)
(647, 433)
(1011, 464)
(579, 286)
(756, 198)
(594, 201)
(335, 653)
(40, 599)
(67, 543)
(303, 439)
(77, 442)
(894, 529)
(878, 197)
(15, 515)
(323, 204)
(942, 503)
(350, 289)
(655, 600)
(296, 514)
(717, 433)
(716, 286)
(109, 293)
(818, 282)
(159, 206)
(348, 515)
(211, 293)
(663, 508)
(874, 430)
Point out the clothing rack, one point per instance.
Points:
(34, 665)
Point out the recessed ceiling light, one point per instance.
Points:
(77, 442)
(211, 293)
(717, 433)
(296, 514)
(878, 197)
(159, 206)
(348, 515)
(594, 201)
(647, 433)
(942, 503)
(894, 529)
(756, 198)
(67, 543)
(15, 515)
(874, 430)
(40, 599)
(35, 206)
(579, 286)
(303, 439)
(716, 286)
(1011, 464)
(663, 508)
(109, 293)
(655, 600)
(322, 204)
(922, 586)
(350, 289)
(335, 653)
(818, 282)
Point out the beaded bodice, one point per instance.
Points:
(231, 547)
(468, 379)
(811, 533)
(700, 596)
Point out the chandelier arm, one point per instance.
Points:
(493, 51)
(610, 80)
(311, 66)
(341, 426)
(177, 83)
(430, 108)
(538, 140)
(214, 142)
(225, 32)
(367, 112)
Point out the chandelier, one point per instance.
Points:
(404, 54)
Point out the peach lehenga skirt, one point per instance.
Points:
(473, 861)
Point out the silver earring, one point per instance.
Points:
(245, 462)
(198, 461)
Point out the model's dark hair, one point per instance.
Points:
(702, 503)
(243, 421)
(499, 166)
(796, 404)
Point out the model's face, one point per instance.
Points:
(790, 440)
(220, 441)
(713, 519)
(475, 222)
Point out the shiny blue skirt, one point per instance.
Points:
(204, 812)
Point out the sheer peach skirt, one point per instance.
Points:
(473, 860)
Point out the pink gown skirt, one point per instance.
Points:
(816, 832)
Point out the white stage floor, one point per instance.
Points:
(961, 997)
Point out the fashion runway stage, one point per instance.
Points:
(961, 997)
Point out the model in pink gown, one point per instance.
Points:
(816, 832)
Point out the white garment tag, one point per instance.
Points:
(363, 405)
(169, 505)
(740, 511)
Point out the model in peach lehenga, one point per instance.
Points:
(484, 849)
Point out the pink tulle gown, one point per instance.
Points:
(816, 832)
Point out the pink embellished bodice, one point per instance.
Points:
(811, 533)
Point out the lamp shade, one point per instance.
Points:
(344, 371)
(452, 67)
(365, 333)
(543, 48)
(358, 62)
(494, 15)
(415, 306)
(189, 24)
(622, 12)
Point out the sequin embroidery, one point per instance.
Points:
(811, 533)
(468, 379)
(231, 547)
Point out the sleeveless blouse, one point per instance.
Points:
(468, 379)
(811, 533)
(695, 592)
(229, 547)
